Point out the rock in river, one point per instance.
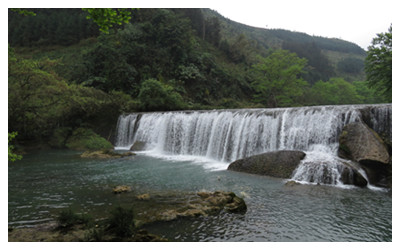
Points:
(121, 189)
(105, 154)
(361, 144)
(279, 164)
(207, 203)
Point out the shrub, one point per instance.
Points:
(67, 219)
(121, 222)
(86, 139)
(155, 96)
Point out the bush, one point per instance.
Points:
(86, 139)
(121, 222)
(155, 96)
(59, 137)
(67, 219)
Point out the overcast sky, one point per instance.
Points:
(356, 21)
(350, 20)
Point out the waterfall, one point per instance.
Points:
(228, 135)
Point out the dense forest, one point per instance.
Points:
(64, 74)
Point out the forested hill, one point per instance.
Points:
(64, 72)
(276, 37)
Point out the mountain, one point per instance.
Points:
(65, 75)
(197, 53)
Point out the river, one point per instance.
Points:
(44, 183)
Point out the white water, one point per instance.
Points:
(221, 136)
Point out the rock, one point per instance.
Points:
(351, 176)
(143, 197)
(237, 205)
(361, 144)
(208, 203)
(144, 236)
(292, 183)
(138, 146)
(121, 189)
(279, 164)
(105, 154)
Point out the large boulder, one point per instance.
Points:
(361, 144)
(279, 164)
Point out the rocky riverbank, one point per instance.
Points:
(126, 225)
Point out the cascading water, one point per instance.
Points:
(228, 135)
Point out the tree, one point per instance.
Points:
(107, 17)
(277, 79)
(11, 155)
(378, 64)
(155, 96)
(333, 92)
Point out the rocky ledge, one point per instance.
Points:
(207, 203)
(105, 154)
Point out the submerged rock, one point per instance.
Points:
(121, 189)
(207, 204)
(279, 164)
(105, 154)
(292, 183)
(143, 197)
(138, 146)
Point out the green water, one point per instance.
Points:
(44, 183)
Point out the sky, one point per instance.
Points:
(354, 21)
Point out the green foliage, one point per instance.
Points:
(23, 12)
(366, 94)
(40, 101)
(198, 58)
(11, 155)
(319, 66)
(121, 222)
(156, 96)
(105, 18)
(277, 79)
(333, 92)
(351, 65)
(378, 64)
(49, 27)
(67, 219)
(86, 139)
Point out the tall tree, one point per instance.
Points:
(378, 64)
(107, 17)
(277, 79)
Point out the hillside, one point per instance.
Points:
(329, 56)
(164, 59)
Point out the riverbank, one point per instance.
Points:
(124, 225)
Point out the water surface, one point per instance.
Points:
(46, 182)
